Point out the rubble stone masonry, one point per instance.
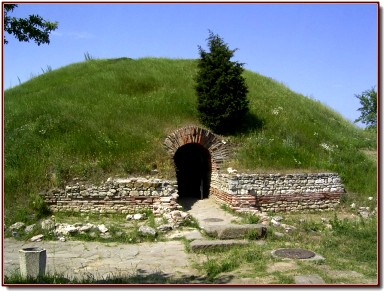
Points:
(278, 192)
(115, 196)
(241, 192)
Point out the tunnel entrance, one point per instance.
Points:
(193, 171)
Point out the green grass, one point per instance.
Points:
(137, 278)
(348, 246)
(351, 245)
(119, 229)
(103, 118)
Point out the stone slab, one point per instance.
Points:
(235, 231)
(201, 245)
(310, 279)
(193, 235)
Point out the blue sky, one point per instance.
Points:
(325, 51)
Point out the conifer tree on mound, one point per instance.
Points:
(221, 88)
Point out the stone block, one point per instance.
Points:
(202, 245)
(32, 262)
(235, 231)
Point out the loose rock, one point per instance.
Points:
(86, 228)
(146, 230)
(102, 228)
(289, 228)
(29, 228)
(139, 217)
(17, 226)
(165, 227)
(65, 229)
(364, 214)
(277, 218)
(48, 225)
(105, 235)
(275, 223)
(36, 238)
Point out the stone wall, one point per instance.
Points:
(241, 192)
(115, 196)
(278, 192)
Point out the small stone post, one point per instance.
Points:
(32, 262)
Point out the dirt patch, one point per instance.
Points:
(351, 275)
(344, 274)
(252, 281)
(282, 266)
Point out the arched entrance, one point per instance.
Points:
(193, 170)
(197, 154)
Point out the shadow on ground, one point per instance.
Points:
(163, 278)
(187, 202)
(141, 278)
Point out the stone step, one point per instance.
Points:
(201, 245)
(235, 231)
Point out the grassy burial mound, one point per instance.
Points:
(103, 118)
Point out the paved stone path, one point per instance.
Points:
(79, 259)
(207, 208)
(158, 260)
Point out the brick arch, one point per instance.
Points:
(217, 148)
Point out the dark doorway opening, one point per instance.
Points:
(193, 171)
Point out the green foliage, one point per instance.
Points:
(22, 214)
(312, 226)
(16, 278)
(250, 218)
(191, 222)
(252, 234)
(227, 260)
(368, 100)
(40, 207)
(284, 279)
(25, 29)
(213, 267)
(221, 88)
(134, 278)
(361, 238)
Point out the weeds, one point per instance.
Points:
(244, 218)
(40, 207)
(47, 70)
(214, 267)
(60, 279)
(250, 218)
(88, 56)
